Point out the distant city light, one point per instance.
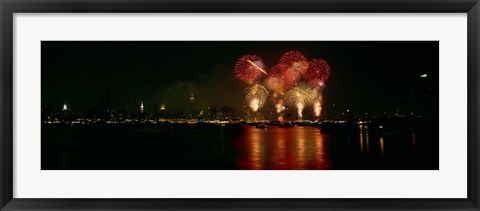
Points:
(65, 107)
(423, 76)
(141, 107)
(162, 107)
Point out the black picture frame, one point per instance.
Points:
(9, 7)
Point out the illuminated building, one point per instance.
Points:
(141, 107)
(66, 115)
(192, 99)
(191, 102)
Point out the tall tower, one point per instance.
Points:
(141, 107)
(192, 99)
(191, 102)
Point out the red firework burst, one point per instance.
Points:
(278, 69)
(317, 73)
(296, 62)
(287, 77)
(248, 68)
(291, 57)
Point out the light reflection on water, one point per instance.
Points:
(414, 144)
(382, 147)
(361, 140)
(208, 147)
(368, 140)
(307, 148)
(283, 148)
(256, 151)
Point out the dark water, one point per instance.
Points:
(127, 147)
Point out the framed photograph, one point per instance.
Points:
(202, 105)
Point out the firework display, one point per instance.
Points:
(300, 96)
(291, 57)
(256, 96)
(279, 106)
(296, 63)
(274, 83)
(317, 105)
(294, 82)
(287, 77)
(249, 67)
(317, 73)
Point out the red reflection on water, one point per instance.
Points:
(382, 147)
(279, 151)
(282, 148)
(301, 151)
(255, 152)
(361, 139)
(322, 157)
(414, 144)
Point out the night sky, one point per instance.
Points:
(366, 76)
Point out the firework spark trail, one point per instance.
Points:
(317, 106)
(248, 68)
(279, 106)
(256, 96)
(300, 107)
(254, 104)
(300, 96)
(256, 66)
